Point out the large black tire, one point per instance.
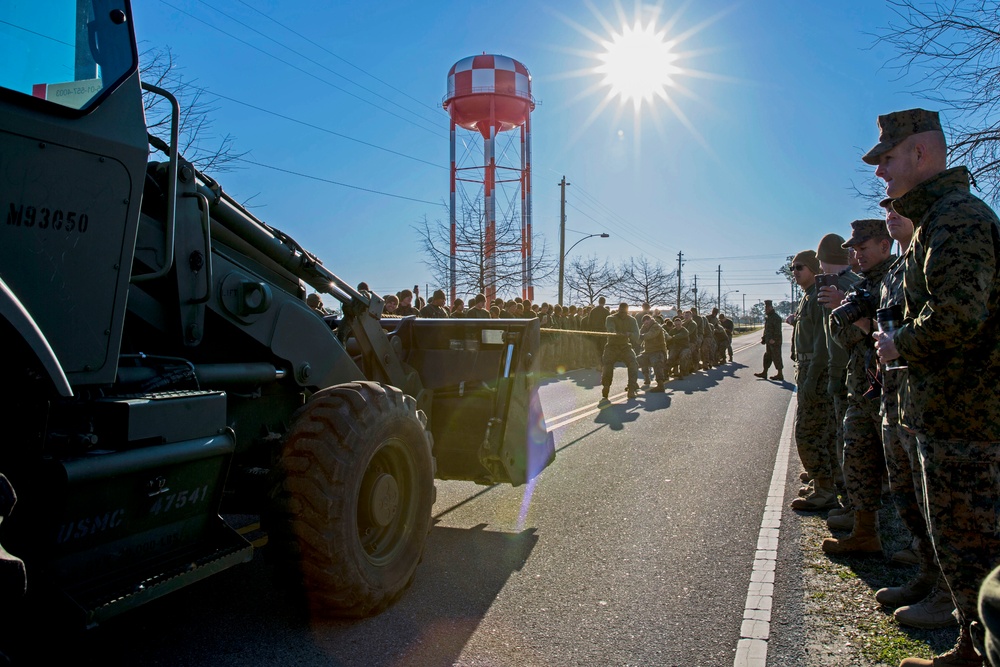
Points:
(353, 498)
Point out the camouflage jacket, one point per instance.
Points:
(892, 382)
(862, 362)
(772, 328)
(951, 311)
(846, 280)
(679, 338)
(653, 339)
(810, 343)
(625, 327)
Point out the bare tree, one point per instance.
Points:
(200, 145)
(591, 278)
(953, 46)
(470, 262)
(646, 282)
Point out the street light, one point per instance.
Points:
(562, 258)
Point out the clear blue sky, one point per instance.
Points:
(761, 165)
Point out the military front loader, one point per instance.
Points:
(165, 370)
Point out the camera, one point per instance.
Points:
(826, 280)
(857, 304)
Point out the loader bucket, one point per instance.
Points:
(484, 412)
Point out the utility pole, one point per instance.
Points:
(680, 255)
(562, 235)
(718, 300)
(696, 293)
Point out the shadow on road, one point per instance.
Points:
(242, 617)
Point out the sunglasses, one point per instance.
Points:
(798, 267)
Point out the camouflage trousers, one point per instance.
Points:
(813, 429)
(772, 355)
(655, 361)
(680, 361)
(906, 485)
(613, 355)
(839, 413)
(962, 499)
(864, 460)
(708, 350)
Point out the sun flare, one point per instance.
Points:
(638, 64)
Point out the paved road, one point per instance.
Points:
(635, 547)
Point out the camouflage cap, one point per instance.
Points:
(862, 230)
(898, 125)
(886, 203)
(438, 294)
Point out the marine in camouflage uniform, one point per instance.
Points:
(902, 463)
(771, 339)
(620, 347)
(813, 414)
(654, 352)
(864, 459)
(950, 400)
(833, 258)
(679, 363)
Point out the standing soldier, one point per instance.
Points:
(917, 602)
(833, 259)
(813, 412)
(852, 324)
(949, 342)
(478, 311)
(436, 306)
(620, 347)
(727, 325)
(772, 340)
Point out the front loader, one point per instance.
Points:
(164, 366)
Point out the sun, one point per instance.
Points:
(638, 64)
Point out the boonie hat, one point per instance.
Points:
(898, 125)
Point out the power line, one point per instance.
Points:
(297, 68)
(346, 62)
(332, 182)
(314, 62)
(319, 128)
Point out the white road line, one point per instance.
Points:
(751, 650)
(568, 418)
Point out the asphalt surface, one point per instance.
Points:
(635, 547)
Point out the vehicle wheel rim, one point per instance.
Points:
(384, 502)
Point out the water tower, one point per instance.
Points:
(491, 94)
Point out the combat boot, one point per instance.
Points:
(914, 590)
(658, 389)
(962, 655)
(937, 610)
(863, 540)
(823, 497)
(633, 392)
(908, 555)
(778, 377)
(762, 375)
(604, 393)
(841, 522)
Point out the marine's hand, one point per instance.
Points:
(885, 346)
(829, 296)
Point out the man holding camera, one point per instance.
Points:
(951, 296)
(851, 326)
